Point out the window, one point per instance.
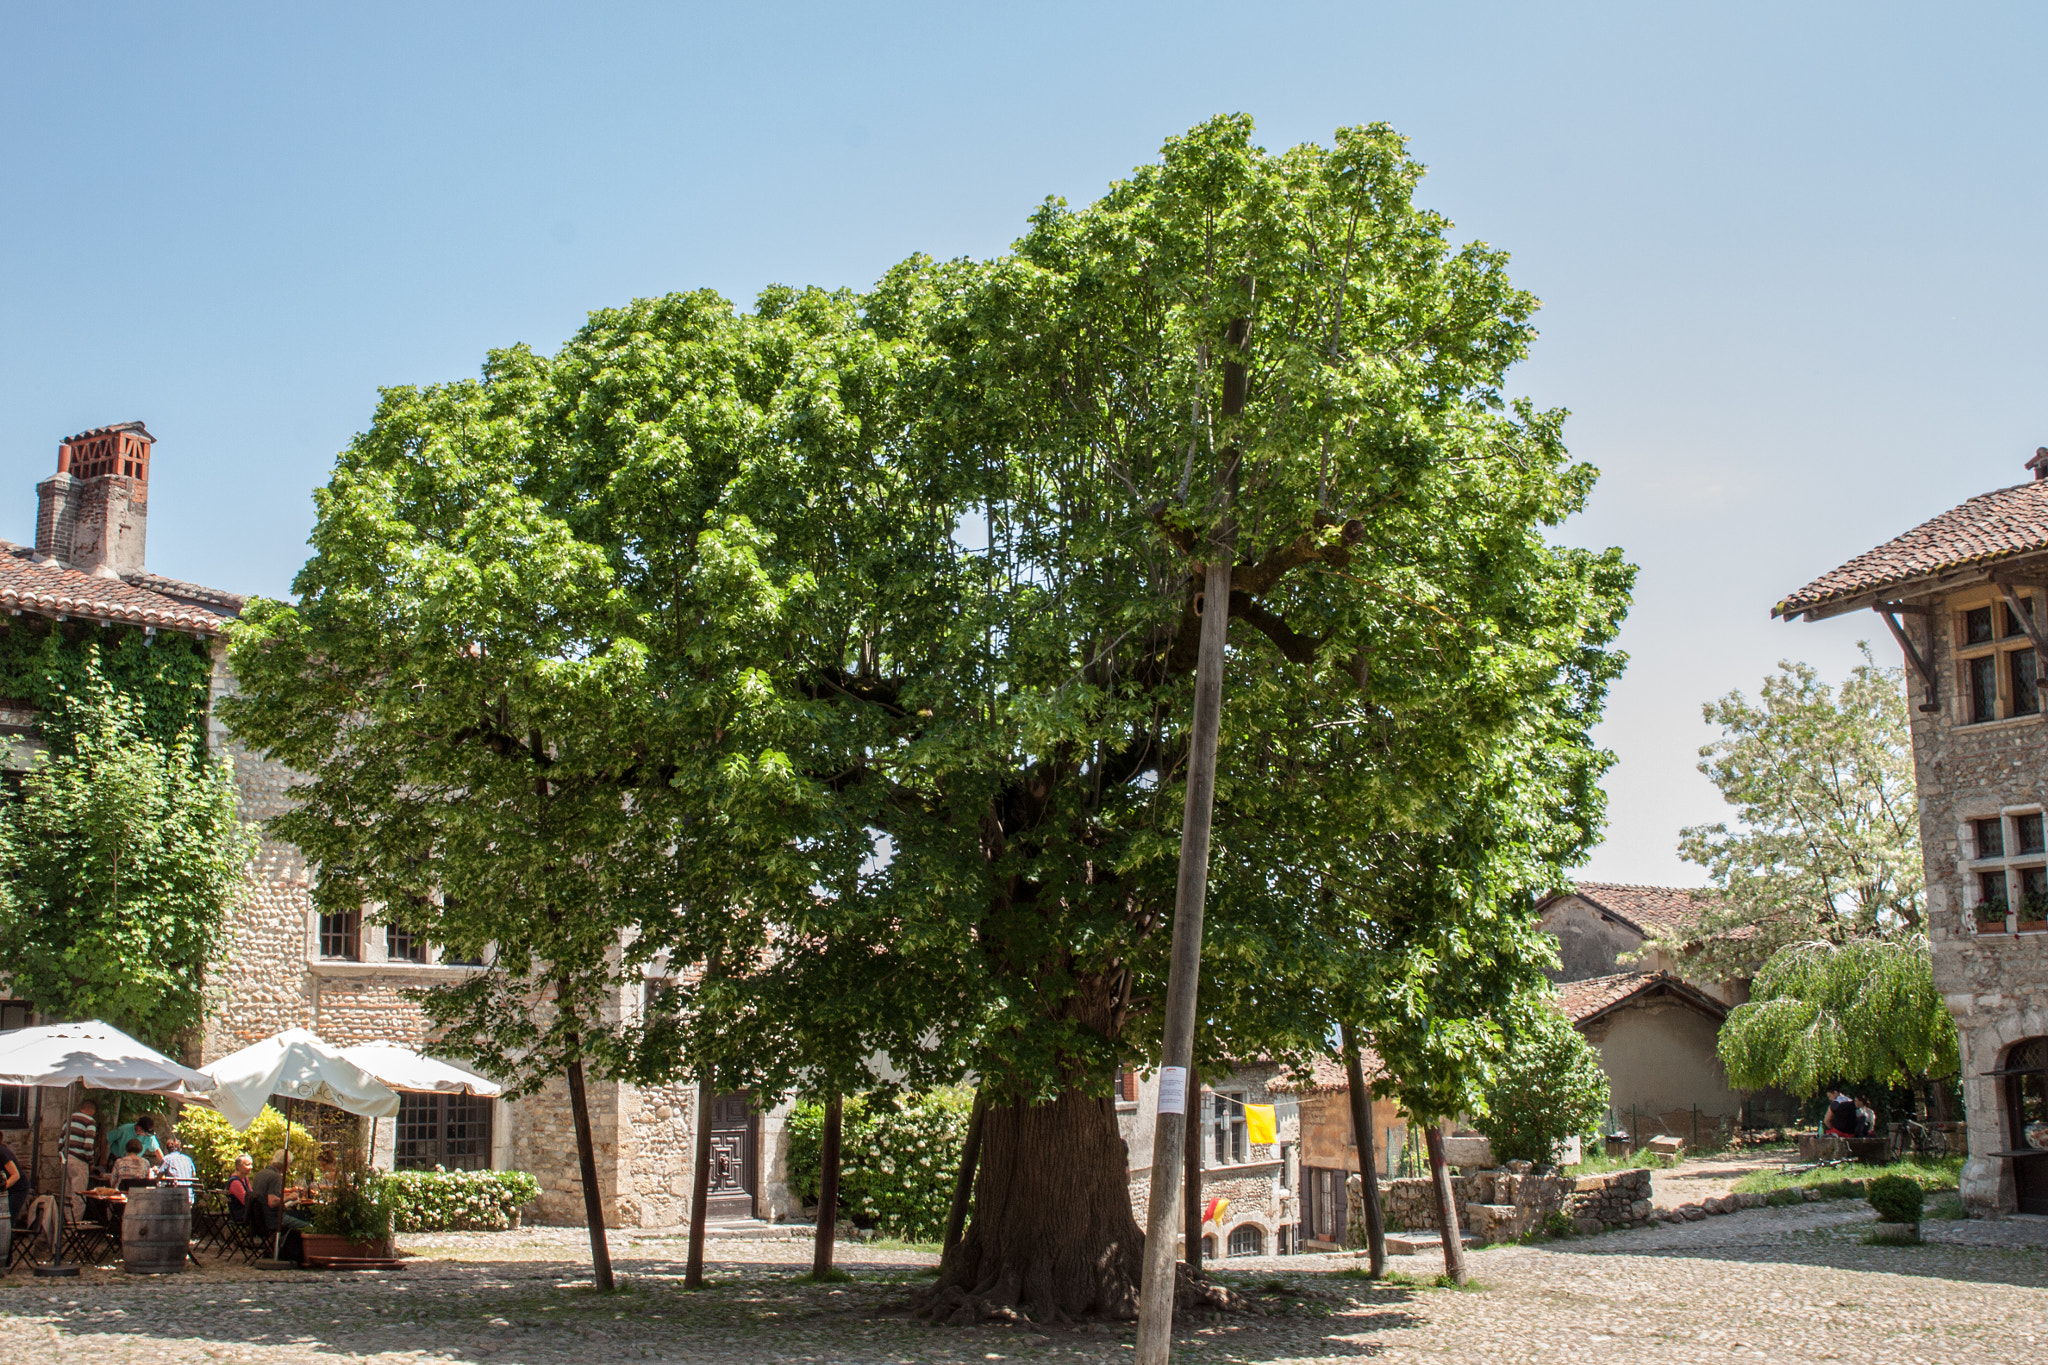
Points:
(1286, 1175)
(14, 1014)
(1228, 1129)
(341, 936)
(402, 945)
(451, 1131)
(2016, 881)
(2000, 670)
(1247, 1239)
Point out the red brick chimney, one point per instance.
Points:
(93, 513)
(2039, 464)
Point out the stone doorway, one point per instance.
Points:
(2026, 1108)
(734, 1177)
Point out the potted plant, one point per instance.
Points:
(1898, 1202)
(1991, 916)
(355, 1224)
(2032, 911)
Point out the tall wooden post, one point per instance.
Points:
(1368, 1162)
(1169, 1133)
(828, 1191)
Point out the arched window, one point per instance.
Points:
(1208, 1248)
(1247, 1239)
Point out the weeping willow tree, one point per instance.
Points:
(1861, 1011)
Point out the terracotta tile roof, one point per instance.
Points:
(1329, 1075)
(221, 602)
(1651, 909)
(26, 585)
(1584, 1001)
(1993, 526)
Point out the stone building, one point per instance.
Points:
(341, 976)
(1606, 929)
(1657, 1035)
(1966, 597)
(1260, 1179)
(1329, 1148)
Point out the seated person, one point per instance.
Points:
(133, 1166)
(177, 1168)
(267, 1189)
(238, 1191)
(1841, 1119)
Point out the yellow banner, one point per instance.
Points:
(1259, 1124)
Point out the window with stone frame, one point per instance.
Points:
(1247, 1239)
(403, 945)
(1227, 1128)
(341, 935)
(2009, 867)
(449, 1131)
(1999, 669)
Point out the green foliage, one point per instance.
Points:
(464, 1201)
(1547, 1087)
(898, 1159)
(118, 867)
(1897, 1199)
(47, 664)
(1930, 1175)
(360, 1206)
(214, 1145)
(1861, 1010)
(1829, 841)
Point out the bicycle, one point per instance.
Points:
(1924, 1140)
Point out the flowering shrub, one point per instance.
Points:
(213, 1145)
(459, 1201)
(897, 1160)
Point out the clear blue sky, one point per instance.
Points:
(1791, 255)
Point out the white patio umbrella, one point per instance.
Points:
(401, 1068)
(98, 1055)
(298, 1065)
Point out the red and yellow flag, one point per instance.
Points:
(1213, 1211)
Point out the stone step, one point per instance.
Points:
(1425, 1242)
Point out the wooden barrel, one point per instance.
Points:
(156, 1227)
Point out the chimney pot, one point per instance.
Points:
(93, 513)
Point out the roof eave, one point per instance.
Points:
(1917, 585)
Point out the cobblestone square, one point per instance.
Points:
(1788, 1285)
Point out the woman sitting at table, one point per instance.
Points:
(238, 1190)
(133, 1166)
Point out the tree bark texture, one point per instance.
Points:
(1191, 1177)
(828, 1192)
(1053, 1238)
(1368, 1162)
(1446, 1206)
(963, 1184)
(593, 1198)
(700, 1187)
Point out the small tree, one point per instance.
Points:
(1865, 1010)
(1547, 1087)
(1828, 846)
(118, 868)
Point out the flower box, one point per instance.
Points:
(323, 1248)
(1990, 917)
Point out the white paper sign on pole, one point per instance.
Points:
(1173, 1090)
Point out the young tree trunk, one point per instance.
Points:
(1191, 1176)
(963, 1184)
(828, 1192)
(593, 1199)
(700, 1187)
(1368, 1162)
(1446, 1206)
(1053, 1238)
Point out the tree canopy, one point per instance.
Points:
(118, 866)
(1863, 1010)
(1828, 841)
(845, 647)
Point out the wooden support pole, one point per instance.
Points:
(700, 1185)
(1891, 620)
(586, 1164)
(1368, 1173)
(1446, 1205)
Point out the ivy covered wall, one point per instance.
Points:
(41, 661)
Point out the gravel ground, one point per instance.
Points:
(1709, 1177)
(1794, 1284)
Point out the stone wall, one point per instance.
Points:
(1995, 984)
(1502, 1204)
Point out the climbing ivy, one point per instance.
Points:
(45, 663)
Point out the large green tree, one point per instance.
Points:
(1827, 840)
(119, 865)
(845, 646)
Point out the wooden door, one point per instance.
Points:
(733, 1182)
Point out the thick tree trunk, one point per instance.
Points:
(586, 1162)
(1446, 1206)
(828, 1192)
(1368, 1161)
(1053, 1237)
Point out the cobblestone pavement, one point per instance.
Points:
(1794, 1284)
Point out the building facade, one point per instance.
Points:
(342, 977)
(1966, 597)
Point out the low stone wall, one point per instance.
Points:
(1499, 1205)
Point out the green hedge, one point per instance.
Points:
(459, 1201)
(898, 1160)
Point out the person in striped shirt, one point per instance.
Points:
(81, 1148)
